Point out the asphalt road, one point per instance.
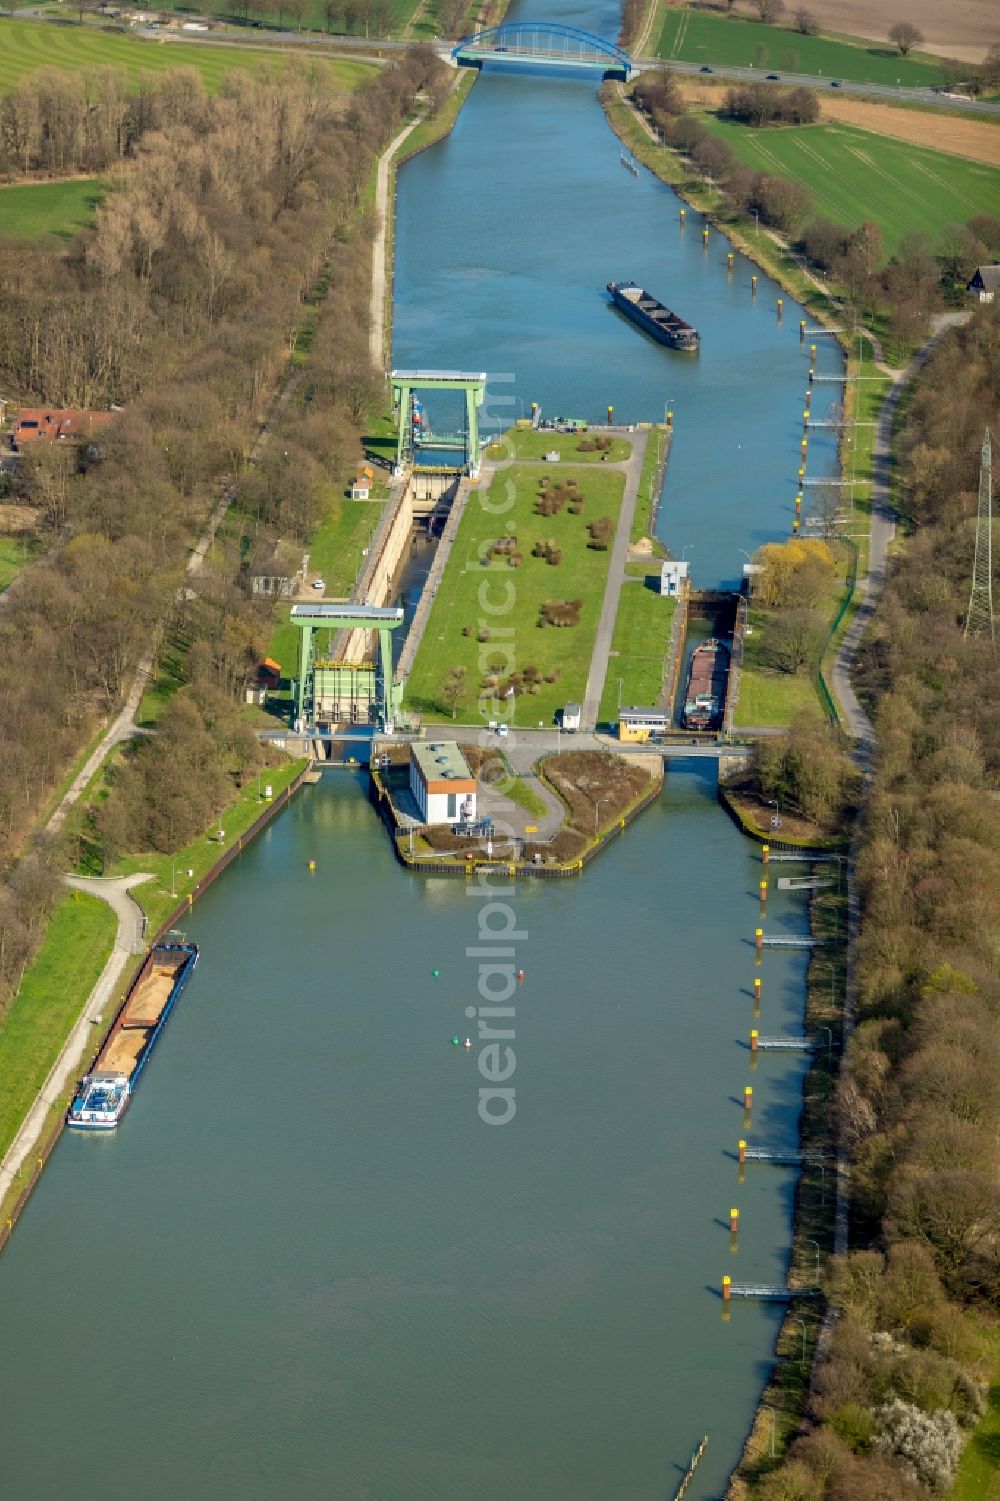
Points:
(368, 49)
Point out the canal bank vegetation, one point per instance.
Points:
(905, 1379)
(804, 584)
(879, 241)
(802, 788)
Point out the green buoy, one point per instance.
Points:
(436, 973)
(455, 1042)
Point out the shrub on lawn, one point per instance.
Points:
(601, 531)
(560, 612)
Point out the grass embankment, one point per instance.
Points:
(26, 46)
(51, 996)
(336, 553)
(30, 211)
(652, 465)
(559, 653)
(736, 42)
(439, 124)
(638, 648)
(155, 897)
(854, 175)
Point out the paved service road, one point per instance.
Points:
(883, 529)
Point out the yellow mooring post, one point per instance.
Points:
(754, 1039)
(748, 1098)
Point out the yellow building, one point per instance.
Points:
(638, 725)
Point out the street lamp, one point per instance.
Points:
(173, 875)
(772, 802)
(829, 1042)
(815, 1243)
(688, 547)
(802, 1323)
(597, 809)
(771, 1411)
(513, 702)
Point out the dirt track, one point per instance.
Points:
(971, 138)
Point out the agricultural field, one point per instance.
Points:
(854, 175)
(26, 46)
(960, 28)
(30, 211)
(558, 652)
(416, 18)
(735, 42)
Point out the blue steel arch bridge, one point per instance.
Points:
(545, 44)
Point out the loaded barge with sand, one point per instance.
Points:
(649, 314)
(103, 1096)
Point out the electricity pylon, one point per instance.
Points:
(979, 617)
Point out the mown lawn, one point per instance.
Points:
(15, 552)
(563, 652)
(68, 965)
(527, 443)
(773, 698)
(854, 175)
(638, 648)
(335, 555)
(736, 42)
(26, 46)
(30, 211)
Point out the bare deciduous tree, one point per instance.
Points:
(906, 36)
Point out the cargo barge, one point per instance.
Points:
(649, 314)
(706, 688)
(103, 1096)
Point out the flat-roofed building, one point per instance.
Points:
(442, 784)
(637, 724)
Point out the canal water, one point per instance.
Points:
(304, 1267)
(508, 232)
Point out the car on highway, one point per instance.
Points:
(774, 78)
(835, 83)
(706, 69)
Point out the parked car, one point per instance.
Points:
(319, 584)
(502, 730)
